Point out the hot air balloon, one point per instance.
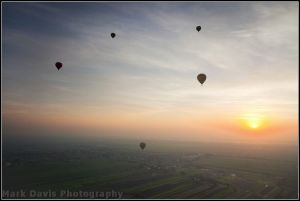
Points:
(142, 145)
(112, 35)
(198, 28)
(58, 65)
(201, 78)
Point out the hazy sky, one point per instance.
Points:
(143, 82)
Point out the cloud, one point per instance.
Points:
(249, 52)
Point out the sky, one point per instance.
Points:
(143, 83)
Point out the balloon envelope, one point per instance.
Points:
(112, 35)
(142, 145)
(58, 65)
(201, 78)
(198, 28)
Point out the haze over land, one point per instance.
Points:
(165, 169)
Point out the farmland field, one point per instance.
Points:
(162, 170)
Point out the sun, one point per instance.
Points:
(253, 124)
(253, 121)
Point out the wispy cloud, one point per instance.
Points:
(249, 52)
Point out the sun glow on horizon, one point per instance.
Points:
(253, 121)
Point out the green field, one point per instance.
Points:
(163, 170)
